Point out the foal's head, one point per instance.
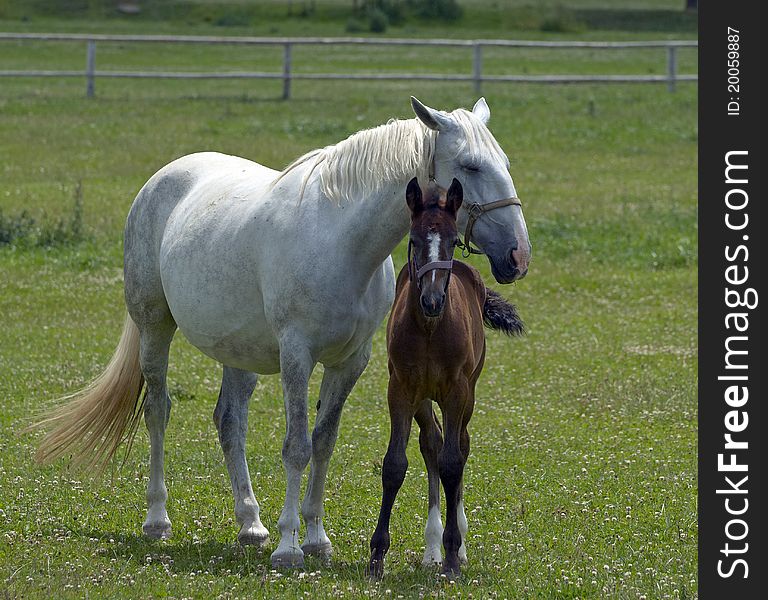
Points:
(432, 240)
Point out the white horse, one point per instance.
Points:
(268, 272)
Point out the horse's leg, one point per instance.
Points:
(296, 366)
(155, 342)
(337, 384)
(392, 473)
(461, 515)
(451, 464)
(430, 442)
(464, 444)
(231, 418)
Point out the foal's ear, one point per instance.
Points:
(455, 196)
(413, 196)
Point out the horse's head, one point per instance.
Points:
(493, 216)
(432, 240)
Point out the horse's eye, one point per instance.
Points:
(471, 168)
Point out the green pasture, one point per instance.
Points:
(583, 473)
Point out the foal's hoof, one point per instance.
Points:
(157, 531)
(255, 535)
(451, 573)
(290, 559)
(375, 569)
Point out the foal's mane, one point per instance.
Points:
(397, 150)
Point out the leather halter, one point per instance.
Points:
(474, 212)
(417, 274)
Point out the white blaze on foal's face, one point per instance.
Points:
(433, 239)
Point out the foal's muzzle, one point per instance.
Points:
(433, 297)
(432, 301)
(432, 304)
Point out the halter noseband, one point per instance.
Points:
(417, 274)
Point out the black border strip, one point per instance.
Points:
(745, 135)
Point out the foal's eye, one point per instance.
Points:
(471, 168)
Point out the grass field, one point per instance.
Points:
(582, 479)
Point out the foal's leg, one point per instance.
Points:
(296, 366)
(337, 384)
(392, 473)
(430, 443)
(461, 515)
(231, 418)
(451, 463)
(464, 445)
(155, 342)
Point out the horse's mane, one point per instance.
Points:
(356, 166)
(397, 150)
(478, 139)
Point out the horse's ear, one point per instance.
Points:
(434, 119)
(455, 196)
(482, 111)
(413, 196)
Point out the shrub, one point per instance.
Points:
(24, 230)
(448, 10)
(562, 22)
(355, 26)
(377, 20)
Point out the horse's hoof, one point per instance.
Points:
(451, 573)
(432, 558)
(375, 570)
(463, 557)
(323, 549)
(157, 531)
(253, 536)
(287, 560)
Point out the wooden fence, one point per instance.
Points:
(287, 74)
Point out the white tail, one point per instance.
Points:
(96, 420)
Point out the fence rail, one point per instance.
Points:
(287, 74)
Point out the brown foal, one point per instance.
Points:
(436, 347)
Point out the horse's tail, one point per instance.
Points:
(96, 420)
(501, 315)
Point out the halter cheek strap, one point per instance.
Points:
(474, 212)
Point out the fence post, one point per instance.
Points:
(287, 71)
(671, 67)
(477, 66)
(90, 69)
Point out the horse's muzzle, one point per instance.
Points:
(512, 267)
(521, 258)
(432, 304)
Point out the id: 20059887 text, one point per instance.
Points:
(734, 82)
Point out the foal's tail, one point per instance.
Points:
(501, 315)
(96, 420)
